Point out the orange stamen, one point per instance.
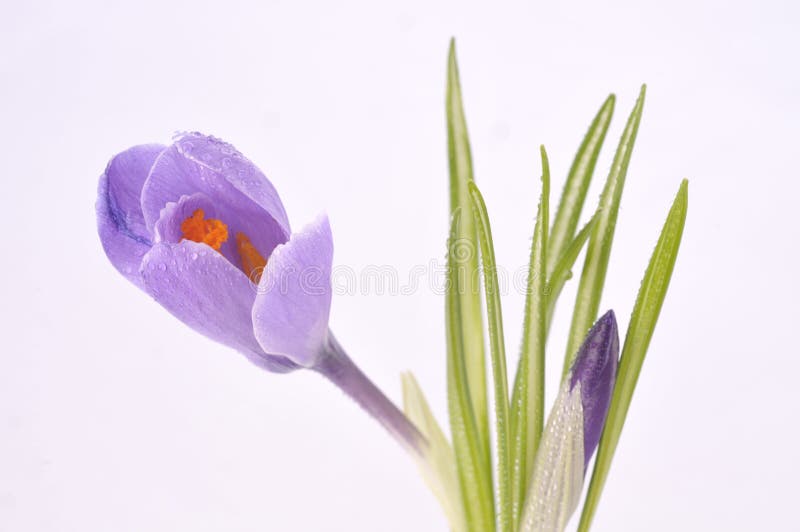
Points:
(252, 261)
(212, 232)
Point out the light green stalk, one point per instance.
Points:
(527, 406)
(505, 521)
(574, 194)
(468, 293)
(472, 458)
(595, 266)
(637, 339)
(438, 462)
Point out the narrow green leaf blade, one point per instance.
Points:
(595, 266)
(637, 339)
(505, 522)
(461, 174)
(580, 175)
(438, 465)
(528, 398)
(472, 460)
(562, 271)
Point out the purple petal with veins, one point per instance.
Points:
(120, 222)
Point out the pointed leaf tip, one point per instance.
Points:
(504, 512)
(573, 196)
(637, 339)
(437, 465)
(595, 266)
(528, 396)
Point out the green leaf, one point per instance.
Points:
(472, 458)
(595, 266)
(469, 300)
(498, 358)
(438, 464)
(580, 175)
(527, 405)
(562, 271)
(637, 339)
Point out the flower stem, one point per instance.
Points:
(337, 367)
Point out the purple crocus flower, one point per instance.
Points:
(201, 229)
(595, 368)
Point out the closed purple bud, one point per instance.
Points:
(595, 367)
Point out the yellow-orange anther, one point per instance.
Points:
(197, 229)
(252, 261)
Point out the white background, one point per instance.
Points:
(116, 417)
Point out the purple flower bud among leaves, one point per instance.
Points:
(595, 368)
(573, 430)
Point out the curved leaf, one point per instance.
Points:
(637, 339)
(469, 299)
(580, 175)
(595, 266)
(498, 357)
(527, 405)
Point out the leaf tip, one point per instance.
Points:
(608, 105)
(476, 198)
(451, 54)
(545, 164)
(682, 197)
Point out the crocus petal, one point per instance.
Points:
(291, 311)
(168, 226)
(201, 288)
(120, 222)
(595, 368)
(558, 471)
(199, 163)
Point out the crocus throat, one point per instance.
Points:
(214, 233)
(197, 229)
